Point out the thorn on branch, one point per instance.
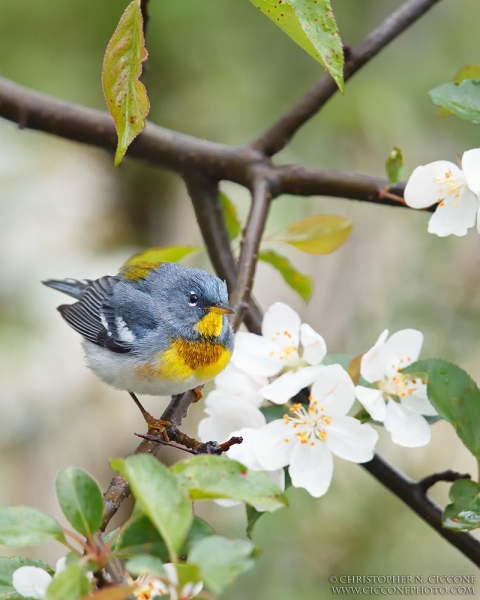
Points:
(427, 482)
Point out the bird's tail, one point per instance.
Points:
(72, 287)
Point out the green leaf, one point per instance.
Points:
(252, 517)
(462, 99)
(230, 215)
(311, 24)
(318, 234)
(161, 254)
(161, 497)
(126, 96)
(302, 284)
(27, 526)
(464, 512)
(187, 573)
(274, 411)
(70, 584)
(394, 166)
(145, 564)
(141, 537)
(455, 396)
(8, 565)
(209, 477)
(80, 499)
(221, 561)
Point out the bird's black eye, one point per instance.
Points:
(193, 299)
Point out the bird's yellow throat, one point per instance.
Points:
(210, 325)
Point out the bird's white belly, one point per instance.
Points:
(123, 372)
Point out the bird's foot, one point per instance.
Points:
(198, 392)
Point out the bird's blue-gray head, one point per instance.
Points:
(191, 301)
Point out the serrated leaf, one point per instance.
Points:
(70, 584)
(394, 166)
(318, 234)
(210, 477)
(311, 24)
(161, 497)
(464, 512)
(8, 566)
(221, 560)
(462, 99)
(230, 215)
(125, 95)
(455, 396)
(80, 499)
(27, 526)
(299, 282)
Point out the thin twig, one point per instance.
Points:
(281, 132)
(252, 235)
(413, 494)
(119, 490)
(203, 192)
(426, 483)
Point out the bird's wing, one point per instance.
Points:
(92, 316)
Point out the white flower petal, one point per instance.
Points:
(61, 565)
(333, 390)
(405, 427)
(244, 452)
(419, 403)
(227, 503)
(351, 440)
(190, 590)
(274, 444)
(281, 324)
(227, 414)
(235, 382)
(31, 582)
(373, 401)
(314, 346)
(372, 364)
(426, 184)
(290, 383)
(402, 348)
(471, 169)
(311, 467)
(255, 355)
(454, 216)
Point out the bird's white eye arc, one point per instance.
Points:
(193, 299)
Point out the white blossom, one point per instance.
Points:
(288, 351)
(306, 439)
(455, 190)
(33, 582)
(397, 400)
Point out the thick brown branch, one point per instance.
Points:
(156, 145)
(252, 235)
(281, 132)
(413, 494)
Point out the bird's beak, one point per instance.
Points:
(221, 310)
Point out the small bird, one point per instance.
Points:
(155, 328)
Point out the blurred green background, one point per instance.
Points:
(220, 70)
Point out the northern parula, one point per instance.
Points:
(155, 328)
